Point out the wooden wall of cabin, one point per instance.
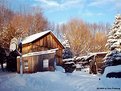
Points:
(27, 65)
(26, 48)
(99, 61)
(45, 43)
(34, 64)
(50, 58)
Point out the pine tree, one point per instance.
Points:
(114, 36)
(67, 52)
(113, 58)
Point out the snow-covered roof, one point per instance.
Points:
(39, 53)
(33, 37)
(83, 57)
(77, 58)
(69, 59)
(69, 63)
(95, 53)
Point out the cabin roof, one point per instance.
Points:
(39, 53)
(33, 37)
(36, 36)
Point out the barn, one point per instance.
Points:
(96, 62)
(40, 51)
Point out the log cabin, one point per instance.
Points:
(41, 46)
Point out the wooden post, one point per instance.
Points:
(21, 65)
(95, 64)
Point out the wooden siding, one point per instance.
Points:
(99, 61)
(35, 63)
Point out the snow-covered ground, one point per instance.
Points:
(57, 81)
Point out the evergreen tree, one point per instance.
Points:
(67, 52)
(113, 58)
(114, 36)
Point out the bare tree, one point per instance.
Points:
(19, 24)
(98, 42)
(85, 37)
(78, 35)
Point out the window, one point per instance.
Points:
(45, 63)
(26, 65)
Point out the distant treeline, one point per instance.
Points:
(19, 24)
(83, 37)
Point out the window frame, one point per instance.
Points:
(45, 63)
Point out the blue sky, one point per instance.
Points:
(61, 11)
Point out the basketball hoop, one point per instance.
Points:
(13, 44)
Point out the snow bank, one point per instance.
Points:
(41, 81)
(111, 83)
(111, 69)
(49, 81)
(54, 81)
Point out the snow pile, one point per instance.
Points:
(48, 81)
(59, 68)
(110, 69)
(113, 83)
(78, 65)
(54, 81)
(110, 84)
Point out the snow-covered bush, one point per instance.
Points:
(69, 66)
